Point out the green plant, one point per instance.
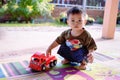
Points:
(57, 20)
(0, 4)
(13, 10)
(90, 20)
(118, 15)
(29, 9)
(32, 8)
(3, 9)
(99, 20)
(118, 18)
(63, 15)
(62, 18)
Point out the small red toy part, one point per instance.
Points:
(39, 62)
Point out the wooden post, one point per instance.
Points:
(110, 15)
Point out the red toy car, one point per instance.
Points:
(39, 62)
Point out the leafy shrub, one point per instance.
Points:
(90, 20)
(99, 20)
(3, 9)
(118, 18)
(28, 9)
(63, 17)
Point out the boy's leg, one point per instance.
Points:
(65, 52)
(72, 56)
(79, 55)
(65, 61)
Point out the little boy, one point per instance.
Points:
(76, 44)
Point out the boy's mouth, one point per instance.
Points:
(76, 27)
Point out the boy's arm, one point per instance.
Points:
(53, 45)
(91, 50)
(90, 56)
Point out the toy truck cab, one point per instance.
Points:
(40, 62)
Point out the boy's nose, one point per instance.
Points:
(77, 23)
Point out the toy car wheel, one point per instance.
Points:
(51, 64)
(34, 70)
(55, 62)
(43, 68)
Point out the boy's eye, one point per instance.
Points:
(80, 20)
(73, 20)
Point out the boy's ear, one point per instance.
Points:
(85, 21)
(84, 18)
(67, 21)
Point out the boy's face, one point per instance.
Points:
(75, 21)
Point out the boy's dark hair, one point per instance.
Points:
(74, 10)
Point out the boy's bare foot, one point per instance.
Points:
(65, 61)
(82, 67)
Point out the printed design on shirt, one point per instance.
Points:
(73, 44)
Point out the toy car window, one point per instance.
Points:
(36, 60)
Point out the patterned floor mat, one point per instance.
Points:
(102, 69)
(20, 69)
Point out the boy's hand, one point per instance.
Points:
(90, 58)
(48, 52)
(53, 45)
